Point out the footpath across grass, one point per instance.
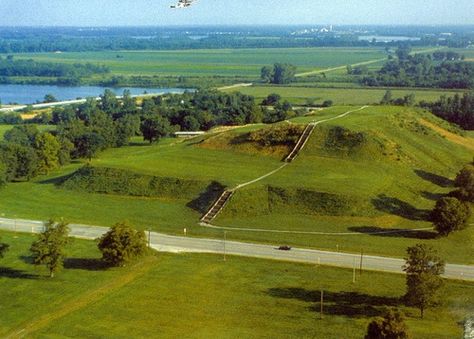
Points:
(201, 296)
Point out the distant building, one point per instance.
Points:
(188, 134)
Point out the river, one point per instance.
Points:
(30, 94)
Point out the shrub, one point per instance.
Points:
(450, 215)
(274, 136)
(121, 244)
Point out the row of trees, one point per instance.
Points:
(422, 71)
(10, 67)
(457, 109)
(120, 245)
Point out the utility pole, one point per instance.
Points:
(225, 238)
(321, 306)
(354, 271)
(361, 259)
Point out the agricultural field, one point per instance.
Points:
(219, 62)
(183, 295)
(340, 96)
(404, 160)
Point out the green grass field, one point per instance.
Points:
(222, 62)
(340, 96)
(183, 296)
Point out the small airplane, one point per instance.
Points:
(183, 4)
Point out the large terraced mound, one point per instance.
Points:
(375, 170)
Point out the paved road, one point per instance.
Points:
(175, 244)
(67, 102)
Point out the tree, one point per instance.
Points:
(20, 162)
(126, 127)
(283, 73)
(190, 123)
(22, 135)
(272, 99)
(266, 74)
(47, 148)
(49, 98)
(465, 182)
(279, 74)
(391, 326)
(50, 248)
(155, 127)
(3, 175)
(450, 214)
(387, 98)
(423, 270)
(121, 244)
(3, 249)
(88, 145)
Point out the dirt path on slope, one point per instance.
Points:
(455, 138)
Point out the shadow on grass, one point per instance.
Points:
(393, 232)
(435, 178)
(432, 196)
(56, 180)
(87, 264)
(398, 207)
(11, 273)
(205, 200)
(350, 304)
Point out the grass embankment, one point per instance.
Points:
(184, 296)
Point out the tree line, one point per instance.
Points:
(440, 70)
(457, 109)
(84, 130)
(18, 67)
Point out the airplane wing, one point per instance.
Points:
(183, 4)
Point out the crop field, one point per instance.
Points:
(389, 183)
(340, 96)
(219, 62)
(183, 296)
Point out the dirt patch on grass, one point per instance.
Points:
(457, 139)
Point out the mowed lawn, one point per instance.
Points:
(339, 96)
(201, 296)
(222, 62)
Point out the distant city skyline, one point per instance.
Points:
(234, 12)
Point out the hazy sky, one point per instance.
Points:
(220, 12)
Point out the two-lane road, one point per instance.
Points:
(177, 244)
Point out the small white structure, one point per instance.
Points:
(188, 134)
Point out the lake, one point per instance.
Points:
(30, 94)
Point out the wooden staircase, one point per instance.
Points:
(301, 142)
(217, 207)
